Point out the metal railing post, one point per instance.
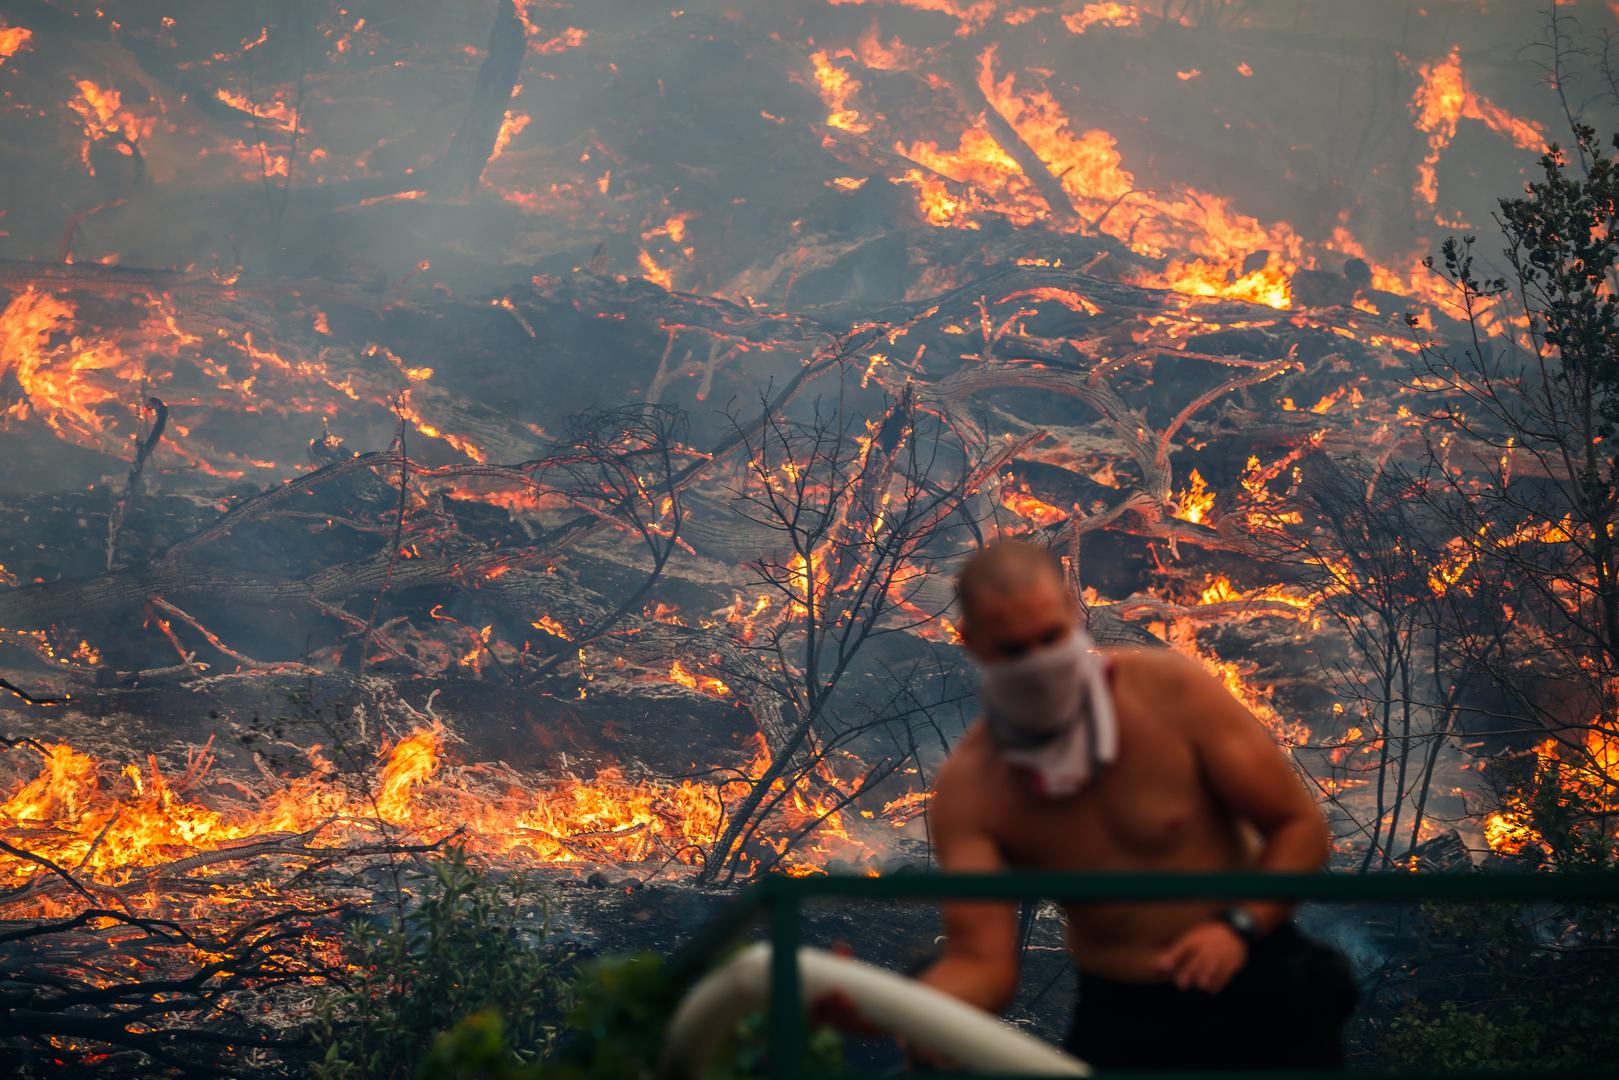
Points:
(787, 1045)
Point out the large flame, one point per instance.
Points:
(84, 383)
(1209, 238)
(1587, 772)
(68, 380)
(112, 822)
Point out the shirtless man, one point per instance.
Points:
(1128, 760)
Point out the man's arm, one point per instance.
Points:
(979, 963)
(1249, 774)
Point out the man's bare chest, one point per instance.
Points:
(1139, 812)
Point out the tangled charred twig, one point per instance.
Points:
(40, 860)
(857, 514)
(119, 989)
(624, 466)
(64, 996)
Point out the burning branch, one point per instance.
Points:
(120, 510)
(975, 101)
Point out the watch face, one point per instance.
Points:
(1241, 920)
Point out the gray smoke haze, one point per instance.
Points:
(663, 109)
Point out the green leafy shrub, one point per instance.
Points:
(1493, 987)
(472, 945)
(464, 986)
(613, 1032)
(1452, 1037)
(476, 1048)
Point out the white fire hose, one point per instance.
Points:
(921, 1015)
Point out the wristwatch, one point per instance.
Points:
(1242, 921)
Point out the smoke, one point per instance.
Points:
(1299, 113)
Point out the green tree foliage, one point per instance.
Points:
(1526, 481)
(1526, 478)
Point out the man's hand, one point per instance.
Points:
(836, 1009)
(1205, 958)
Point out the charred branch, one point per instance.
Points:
(463, 163)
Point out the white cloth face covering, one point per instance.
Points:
(1051, 712)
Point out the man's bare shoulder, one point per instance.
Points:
(1170, 687)
(967, 759)
(1158, 670)
(1160, 682)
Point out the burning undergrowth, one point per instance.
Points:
(549, 428)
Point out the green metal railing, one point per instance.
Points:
(784, 898)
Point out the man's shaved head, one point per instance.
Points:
(1012, 596)
(1005, 567)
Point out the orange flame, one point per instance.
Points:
(1194, 503)
(1587, 771)
(12, 40)
(1216, 237)
(511, 126)
(102, 112)
(114, 822)
(66, 379)
(837, 87)
(1442, 99)
(705, 683)
(1107, 13)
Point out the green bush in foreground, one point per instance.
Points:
(471, 945)
(613, 1032)
(464, 986)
